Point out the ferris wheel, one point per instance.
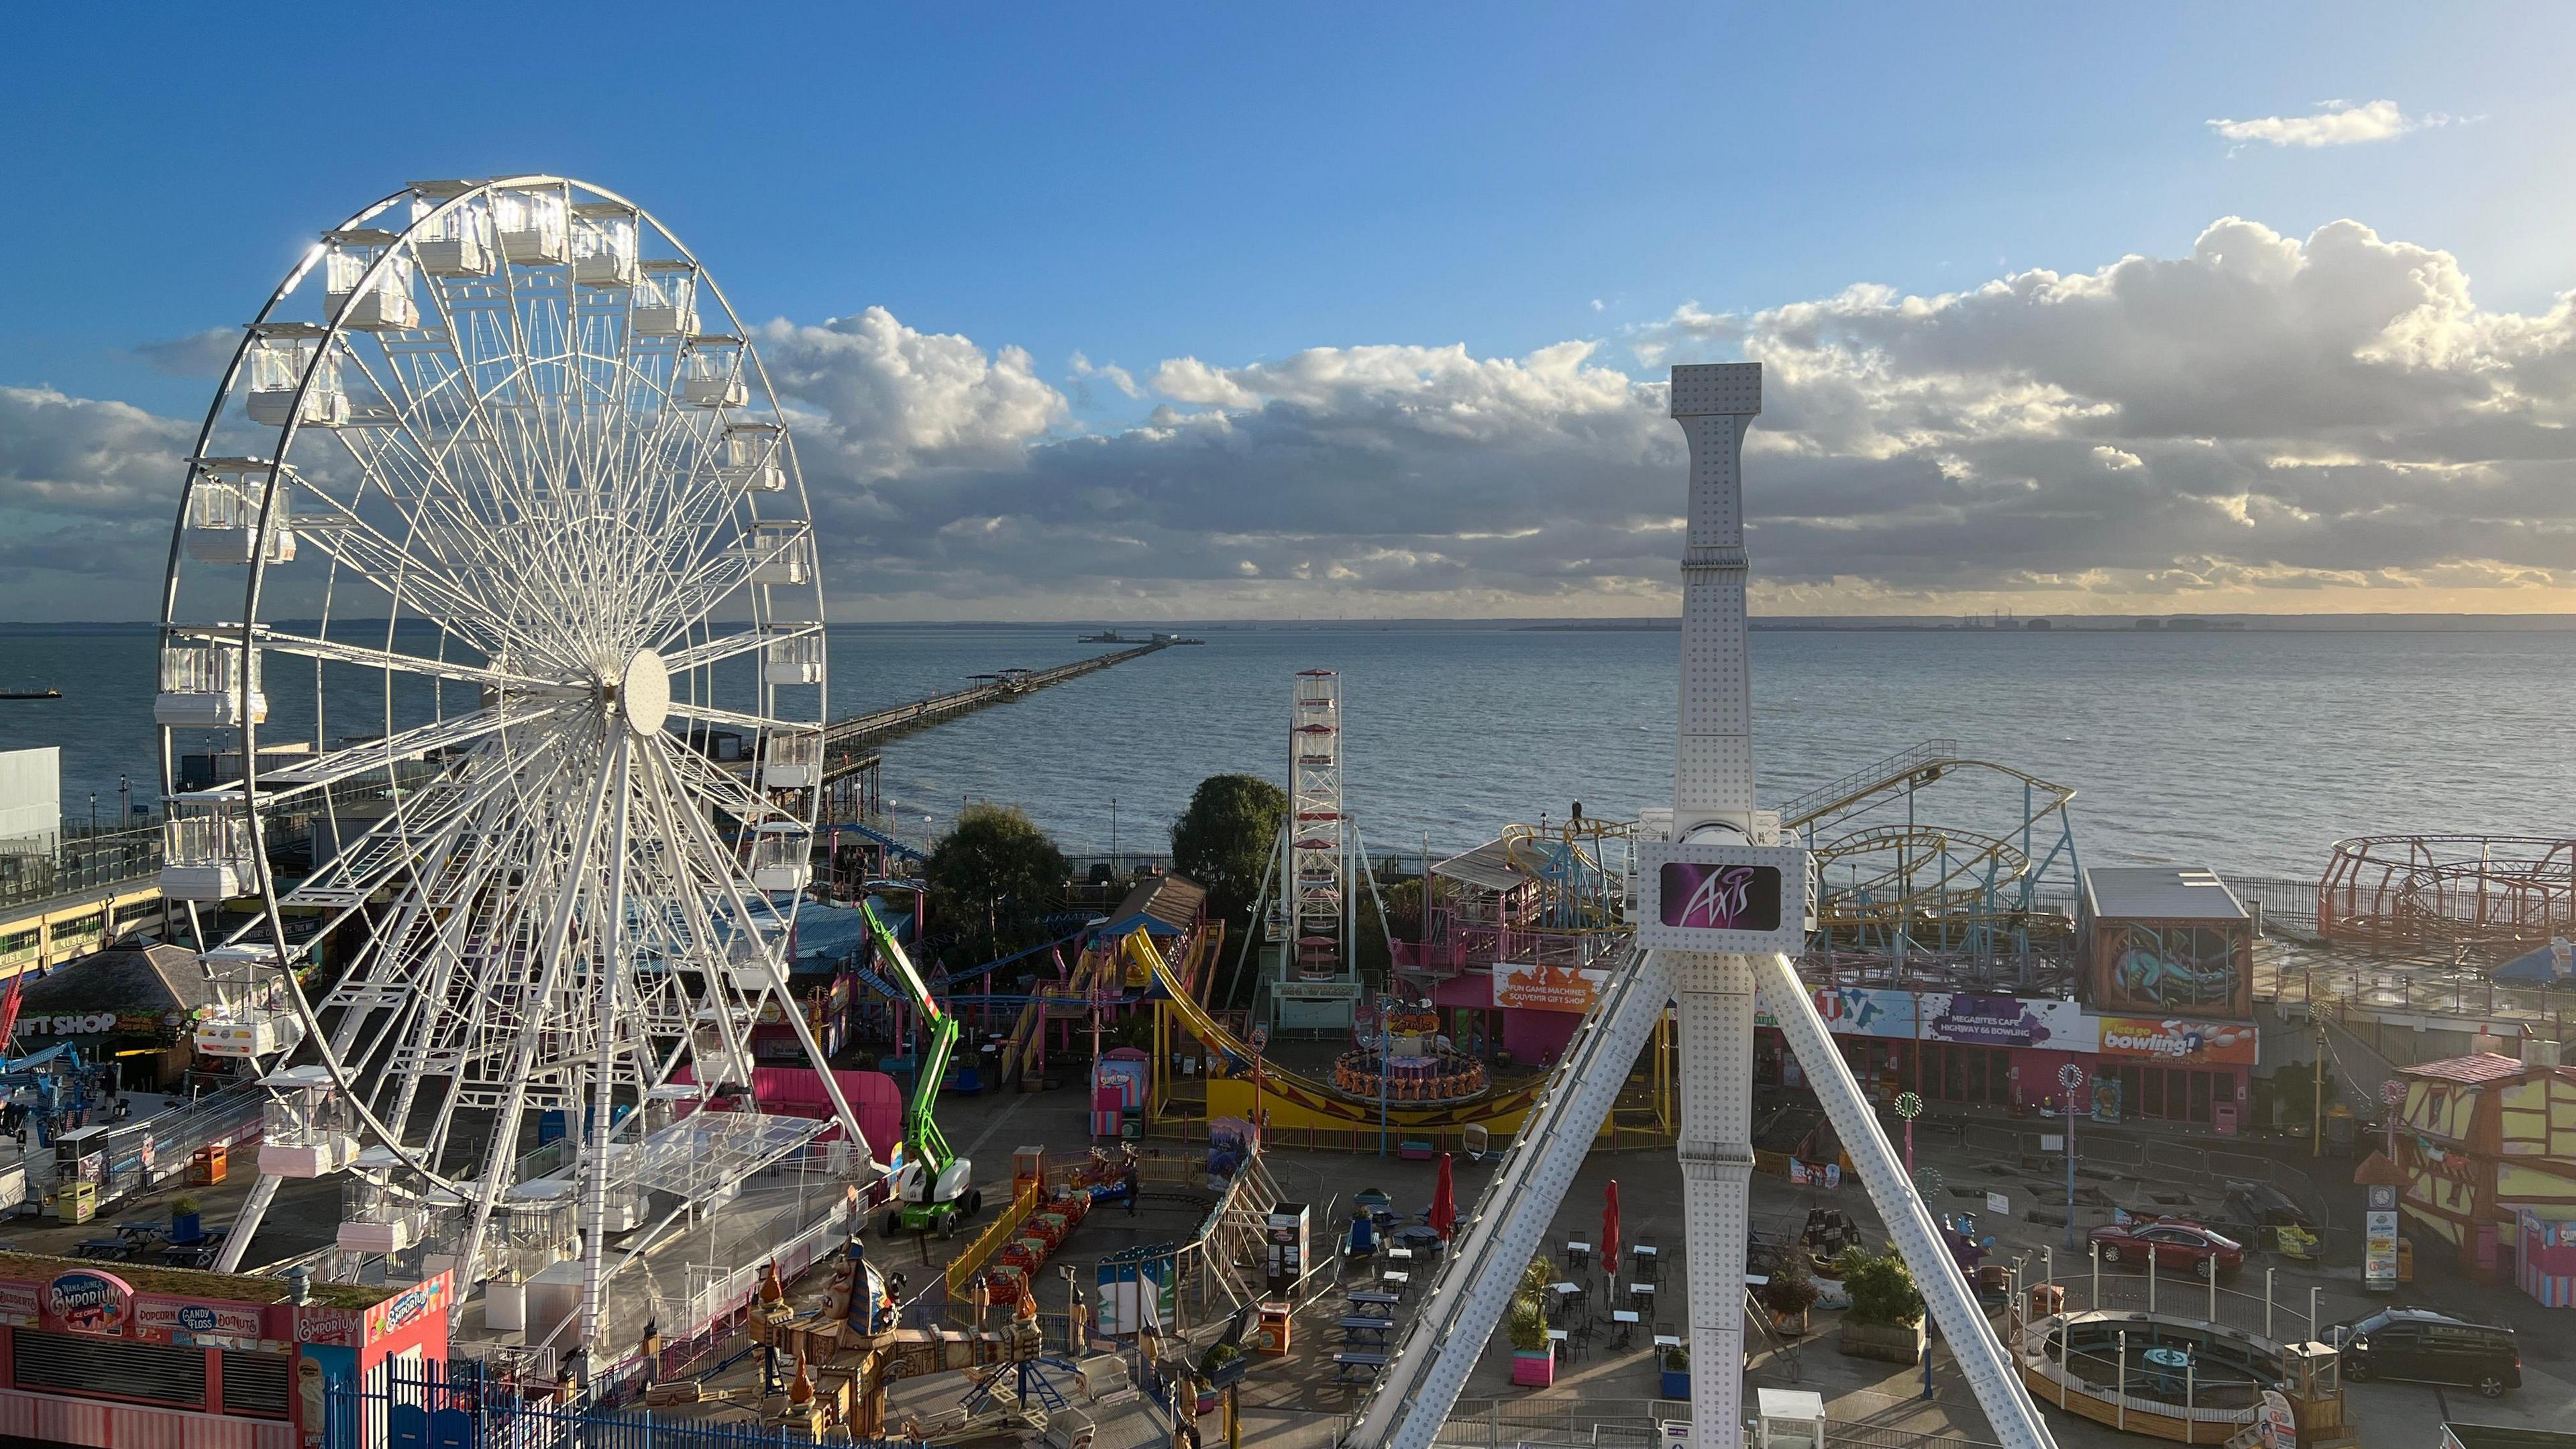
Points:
(492, 686)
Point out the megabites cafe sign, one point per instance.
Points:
(1738, 900)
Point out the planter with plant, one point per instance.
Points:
(1533, 1352)
(186, 1224)
(1224, 1364)
(1790, 1292)
(1676, 1367)
(1885, 1320)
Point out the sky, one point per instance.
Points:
(1203, 312)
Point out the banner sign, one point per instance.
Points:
(2379, 1250)
(182, 1320)
(1866, 1011)
(2007, 1021)
(1534, 987)
(2179, 1043)
(1737, 899)
(88, 1302)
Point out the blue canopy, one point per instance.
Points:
(2544, 967)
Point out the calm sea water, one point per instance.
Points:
(2250, 751)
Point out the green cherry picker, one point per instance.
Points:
(934, 1188)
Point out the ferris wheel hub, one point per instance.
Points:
(645, 692)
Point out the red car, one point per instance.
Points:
(2175, 1243)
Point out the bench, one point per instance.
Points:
(1356, 1324)
(1356, 1366)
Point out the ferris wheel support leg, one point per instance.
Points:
(1991, 1377)
(246, 1224)
(603, 1068)
(1716, 1152)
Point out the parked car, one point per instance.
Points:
(2175, 1244)
(2418, 1343)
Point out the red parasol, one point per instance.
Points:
(1610, 1228)
(1444, 1202)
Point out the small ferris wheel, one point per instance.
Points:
(492, 683)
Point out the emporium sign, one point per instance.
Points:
(89, 1302)
(2179, 1043)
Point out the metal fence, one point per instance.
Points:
(465, 1403)
(80, 862)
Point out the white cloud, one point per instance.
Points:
(199, 354)
(2333, 123)
(2303, 421)
(1118, 377)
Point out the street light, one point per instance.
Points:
(1909, 1107)
(2070, 1076)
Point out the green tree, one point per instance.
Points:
(1227, 838)
(1882, 1292)
(993, 879)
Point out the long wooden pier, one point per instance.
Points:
(847, 742)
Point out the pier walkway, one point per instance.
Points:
(847, 743)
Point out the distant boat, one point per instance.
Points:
(30, 694)
(1107, 636)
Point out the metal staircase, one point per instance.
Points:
(1477, 1278)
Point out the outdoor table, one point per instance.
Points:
(1395, 1278)
(116, 1249)
(1400, 1254)
(1353, 1325)
(1578, 1255)
(1623, 1327)
(1356, 1365)
(1666, 1340)
(1556, 1335)
(1646, 1259)
(1641, 1295)
(1371, 1298)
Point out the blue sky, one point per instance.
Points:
(1243, 185)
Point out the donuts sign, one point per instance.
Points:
(89, 1302)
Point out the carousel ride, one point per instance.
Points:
(492, 532)
(1402, 1057)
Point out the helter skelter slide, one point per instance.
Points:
(1722, 903)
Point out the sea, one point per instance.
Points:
(2250, 751)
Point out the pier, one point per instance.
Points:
(849, 743)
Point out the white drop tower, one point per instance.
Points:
(1722, 906)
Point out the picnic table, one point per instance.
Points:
(1357, 1366)
(1367, 1298)
(1355, 1324)
(114, 1250)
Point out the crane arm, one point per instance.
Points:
(921, 1136)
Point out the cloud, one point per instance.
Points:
(1118, 377)
(198, 355)
(2260, 421)
(2334, 123)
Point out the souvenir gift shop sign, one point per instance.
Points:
(1530, 986)
(2176, 1043)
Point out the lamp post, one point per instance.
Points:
(1113, 837)
(1909, 1107)
(2070, 1076)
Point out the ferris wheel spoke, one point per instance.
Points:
(728, 646)
(383, 756)
(279, 641)
(372, 858)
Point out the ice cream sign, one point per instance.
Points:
(88, 1302)
(1731, 898)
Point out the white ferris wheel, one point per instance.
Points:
(492, 688)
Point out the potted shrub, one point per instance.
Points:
(1885, 1320)
(1789, 1294)
(1225, 1365)
(1533, 1352)
(1676, 1372)
(186, 1226)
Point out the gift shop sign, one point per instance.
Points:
(408, 1307)
(2179, 1043)
(1530, 986)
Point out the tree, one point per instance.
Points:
(1227, 839)
(994, 879)
(1882, 1291)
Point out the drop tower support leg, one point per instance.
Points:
(1716, 1150)
(1982, 1359)
(246, 1224)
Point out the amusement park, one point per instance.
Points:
(528, 1025)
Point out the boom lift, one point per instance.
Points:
(934, 1188)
